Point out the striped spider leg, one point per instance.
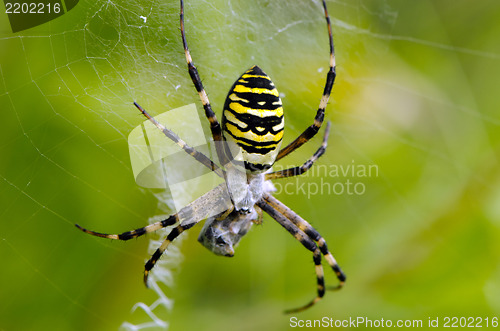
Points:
(320, 114)
(219, 234)
(188, 216)
(215, 127)
(309, 238)
(200, 157)
(300, 228)
(296, 171)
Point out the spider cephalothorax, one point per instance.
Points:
(247, 144)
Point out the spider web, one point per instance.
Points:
(416, 97)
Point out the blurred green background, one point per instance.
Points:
(416, 95)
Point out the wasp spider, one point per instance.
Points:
(253, 120)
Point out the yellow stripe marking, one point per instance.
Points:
(231, 118)
(234, 97)
(243, 89)
(240, 109)
(255, 76)
(273, 146)
(279, 126)
(269, 137)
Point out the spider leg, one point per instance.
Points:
(200, 157)
(195, 77)
(215, 201)
(259, 215)
(320, 114)
(211, 203)
(171, 220)
(159, 252)
(307, 165)
(307, 242)
(303, 225)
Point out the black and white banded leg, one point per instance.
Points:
(311, 232)
(171, 220)
(188, 216)
(159, 252)
(308, 237)
(198, 156)
(215, 127)
(307, 165)
(320, 114)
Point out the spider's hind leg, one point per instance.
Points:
(307, 165)
(312, 233)
(308, 243)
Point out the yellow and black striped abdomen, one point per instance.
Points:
(253, 119)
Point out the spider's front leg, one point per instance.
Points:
(171, 220)
(215, 127)
(213, 202)
(320, 113)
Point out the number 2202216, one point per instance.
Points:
(32, 8)
(470, 322)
